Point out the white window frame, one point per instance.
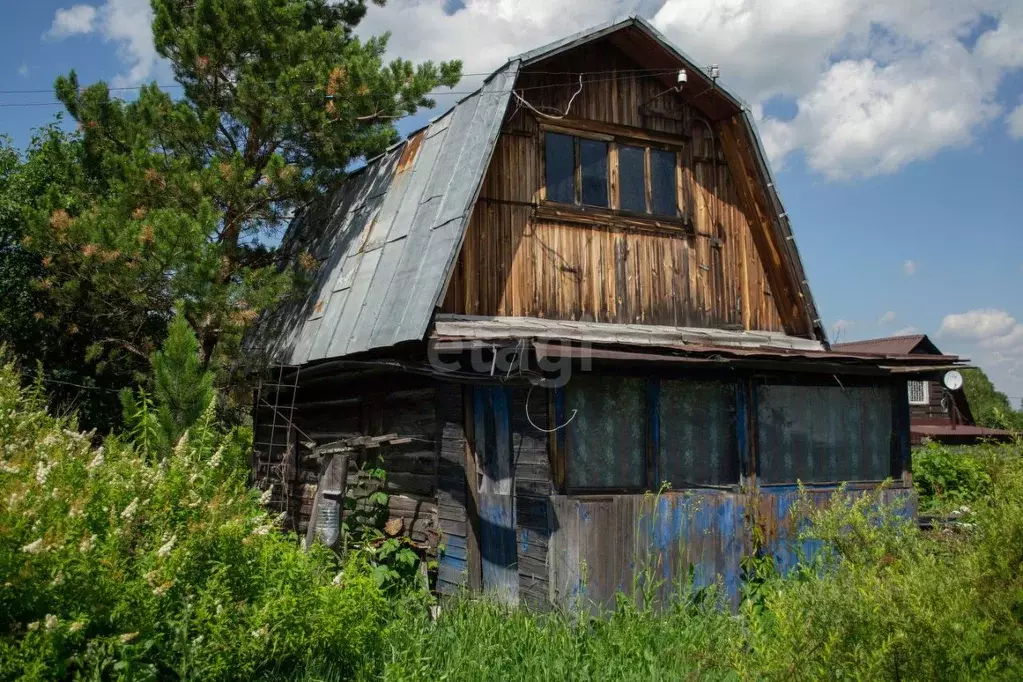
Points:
(926, 400)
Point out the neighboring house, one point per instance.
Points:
(935, 412)
(574, 287)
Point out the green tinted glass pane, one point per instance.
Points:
(606, 438)
(824, 433)
(697, 442)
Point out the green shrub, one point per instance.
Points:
(116, 565)
(886, 602)
(947, 478)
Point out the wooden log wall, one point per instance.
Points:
(341, 406)
(521, 258)
(933, 409)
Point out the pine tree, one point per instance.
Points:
(278, 99)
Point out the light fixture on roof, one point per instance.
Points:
(683, 77)
(714, 71)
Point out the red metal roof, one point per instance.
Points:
(960, 433)
(889, 345)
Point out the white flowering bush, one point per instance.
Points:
(118, 564)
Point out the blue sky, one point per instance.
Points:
(894, 128)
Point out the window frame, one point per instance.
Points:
(648, 143)
(559, 438)
(746, 432)
(926, 393)
(899, 413)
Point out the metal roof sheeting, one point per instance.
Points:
(387, 238)
(901, 345)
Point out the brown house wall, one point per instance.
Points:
(933, 409)
(518, 260)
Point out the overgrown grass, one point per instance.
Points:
(121, 564)
(886, 602)
(116, 565)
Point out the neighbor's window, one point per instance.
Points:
(606, 439)
(823, 433)
(918, 393)
(577, 171)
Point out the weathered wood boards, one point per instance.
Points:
(525, 257)
(654, 546)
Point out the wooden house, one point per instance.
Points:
(936, 412)
(569, 320)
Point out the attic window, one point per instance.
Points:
(601, 171)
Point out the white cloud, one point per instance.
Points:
(1015, 122)
(991, 339)
(887, 318)
(1011, 342)
(24, 71)
(909, 268)
(978, 325)
(126, 23)
(876, 84)
(907, 331)
(72, 21)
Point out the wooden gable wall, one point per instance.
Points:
(520, 259)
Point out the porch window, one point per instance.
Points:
(823, 434)
(606, 439)
(696, 442)
(918, 393)
(578, 170)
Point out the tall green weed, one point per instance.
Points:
(118, 565)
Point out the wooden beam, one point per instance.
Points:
(472, 498)
(748, 186)
(599, 130)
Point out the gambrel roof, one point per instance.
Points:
(389, 237)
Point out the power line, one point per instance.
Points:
(434, 93)
(168, 86)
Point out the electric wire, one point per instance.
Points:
(433, 93)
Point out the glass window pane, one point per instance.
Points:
(664, 196)
(697, 443)
(559, 164)
(824, 433)
(631, 173)
(606, 439)
(593, 157)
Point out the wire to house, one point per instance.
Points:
(620, 75)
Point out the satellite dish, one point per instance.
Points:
(953, 380)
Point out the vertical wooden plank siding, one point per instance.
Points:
(515, 262)
(680, 541)
(497, 522)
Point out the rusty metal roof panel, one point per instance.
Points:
(890, 345)
(387, 238)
